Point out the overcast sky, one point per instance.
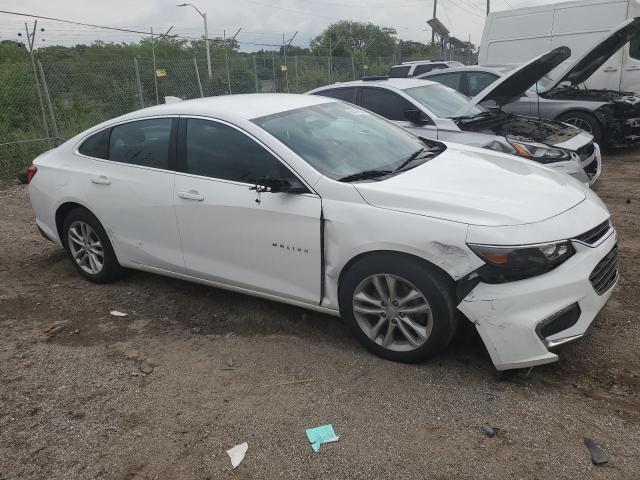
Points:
(262, 21)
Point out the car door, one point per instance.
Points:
(392, 106)
(129, 187)
(265, 242)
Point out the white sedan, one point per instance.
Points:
(318, 203)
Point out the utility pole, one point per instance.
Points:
(226, 55)
(153, 55)
(286, 44)
(31, 38)
(488, 2)
(330, 58)
(206, 33)
(433, 33)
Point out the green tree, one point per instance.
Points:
(349, 38)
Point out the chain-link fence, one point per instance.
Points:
(41, 103)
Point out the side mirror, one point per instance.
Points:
(278, 185)
(415, 116)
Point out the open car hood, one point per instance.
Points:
(585, 66)
(515, 83)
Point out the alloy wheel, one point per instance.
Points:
(392, 312)
(85, 247)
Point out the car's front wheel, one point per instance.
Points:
(89, 247)
(398, 308)
(584, 121)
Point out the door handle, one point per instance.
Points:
(610, 69)
(191, 195)
(631, 69)
(101, 180)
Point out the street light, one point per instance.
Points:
(206, 32)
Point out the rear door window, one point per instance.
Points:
(399, 72)
(427, 67)
(143, 142)
(97, 145)
(383, 102)
(345, 94)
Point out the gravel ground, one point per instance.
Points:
(220, 366)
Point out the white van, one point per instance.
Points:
(512, 37)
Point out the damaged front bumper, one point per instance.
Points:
(520, 322)
(586, 164)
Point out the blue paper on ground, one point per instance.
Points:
(322, 434)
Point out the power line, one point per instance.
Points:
(73, 22)
(362, 6)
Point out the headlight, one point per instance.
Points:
(540, 153)
(506, 264)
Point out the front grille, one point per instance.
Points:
(590, 237)
(586, 151)
(606, 272)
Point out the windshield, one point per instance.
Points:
(445, 102)
(542, 83)
(341, 140)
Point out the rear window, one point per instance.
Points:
(399, 72)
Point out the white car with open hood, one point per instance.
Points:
(435, 111)
(318, 203)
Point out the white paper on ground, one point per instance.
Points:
(116, 313)
(237, 453)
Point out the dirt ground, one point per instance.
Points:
(220, 367)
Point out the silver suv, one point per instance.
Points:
(412, 69)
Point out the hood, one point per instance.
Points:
(585, 66)
(478, 187)
(511, 86)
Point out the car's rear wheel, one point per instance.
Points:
(89, 247)
(398, 308)
(584, 121)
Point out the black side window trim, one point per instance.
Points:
(173, 149)
(181, 146)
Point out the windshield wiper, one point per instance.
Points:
(365, 175)
(477, 115)
(411, 158)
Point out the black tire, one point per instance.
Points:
(436, 288)
(579, 119)
(111, 269)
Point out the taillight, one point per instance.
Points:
(31, 172)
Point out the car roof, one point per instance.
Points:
(392, 83)
(245, 106)
(468, 68)
(422, 62)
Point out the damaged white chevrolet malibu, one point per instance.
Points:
(318, 203)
